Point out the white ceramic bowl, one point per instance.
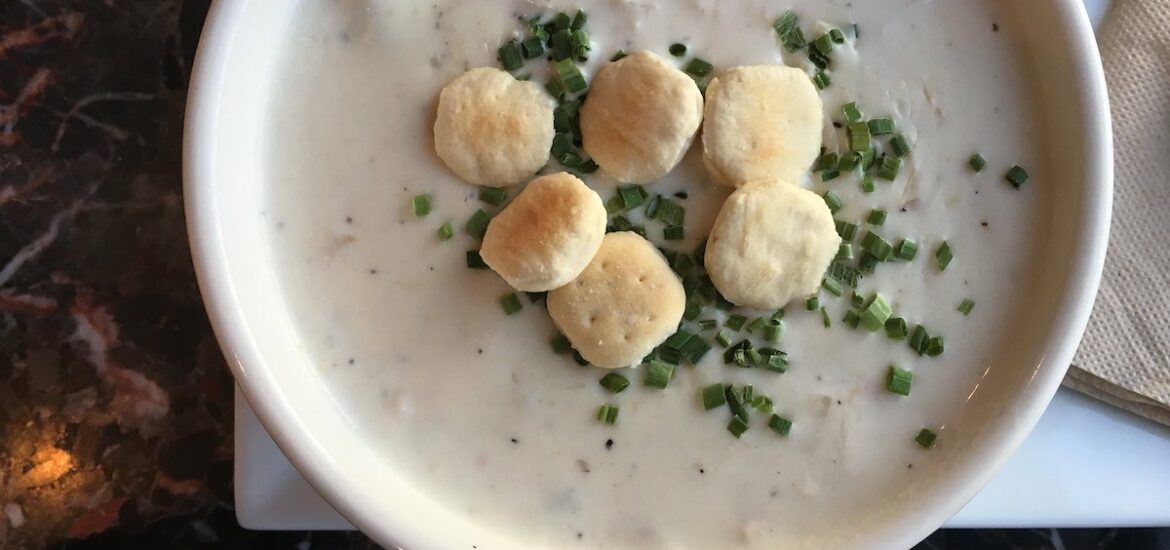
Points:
(223, 176)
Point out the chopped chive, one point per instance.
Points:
(708, 324)
(859, 136)
(868, 263)
(830, 175)
(818, 59)
(580, 359)
(511, 303)
(613, 205)
(561, 44)
(474, 260)
(877, 216)
(737, 353)
(752, 358)
(926, 438)
(852, 112)
(813, 303)
(867, 183)
(617, 56)
(780, 425)
(832, 201)
(874, 316)
(935, 346)
(493, 195)
(762, 404)
(844, 252)
(837, 36)
(857, 300)
(735, 321)
(777, 362)
(562, 144)
(899, 380)
(713, 397)
(881, 126)
(620, 223)
(723, 339)
(822, 79)
(535, 297)
(694, 349)
(896, 328)
(658, 374)
(851, 319)
(668, 355)
(693, 310)
(652, 206)
(966, 306)
(848, 162)
(670, 213)
(899, 145)
(560, 344)
(421, 204)
(672, 233)
(607, 414)
(579, 20)
(825, 317)
(445, 231)
(678, 50)
(555, 88)
(888, 168)
(877, 246)
(737, 426)
(843, 273)
(846, 230)
(867, 158)
(735, 403)
(772, 332)
(919, 338)
(826, 161)
(614, 382)
(977, 162)
(1016, 176)
(787, 27)
(906, 250)
(510, 55)
(756, 324)
(823, 44)
(699, 68)
(477, 225)
(632, 196)
(944, 255)
(561, 21)
(832, 286)
(533, 47)
(580, 44)
(747, 394)
(570, 76)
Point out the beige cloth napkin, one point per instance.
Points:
(1124, 358)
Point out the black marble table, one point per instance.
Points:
(115, 404)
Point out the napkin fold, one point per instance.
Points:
(1124, 358)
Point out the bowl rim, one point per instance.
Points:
(205, 235)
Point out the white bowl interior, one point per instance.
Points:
(224, 175)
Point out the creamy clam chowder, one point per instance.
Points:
(475, 407)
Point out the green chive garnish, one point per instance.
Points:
(899, 145)
(678, 50)
(672, 233)
(926, 438)
(570, 76)
(881, 126)
(699, 68)
(966, 306)
(977, 162)
(846, 230)
(756, 324)
(877, 216)
(830, 175)
(844, 252)
(851, 319)
(510, 55)
(421, 204)
(780, 425)
(826, 161)
(632, 196)
(906, 250)
(561, 21)
(492, 195)
(899, 380)
(617, 56)
(787, 27)
(737, 426)
(837, 36)
(445, 231)
(580, 44)
(555, 88)
(607, 414)
(875, 314)
(867, 264)
(859, 136)
(896, 328)
(867, 183)
(822, 79)
(735, 403)
(823, 44)
(708, 324)
(852, 112)
(825, 317)
(474, 260)
(813, 303)
(579, 20)
(658, 374)
(533, 47)
(713, 397)
(511, 303)
(560, 344)
(614, 382)
(747, 394)
(848, 162)
(477, 225)
(877, 246)
(935, 346)
(944, 255)
(762, 404)
(723, 339)
(832, 286)
(832, 201)
(772, 332)
(888, 167)
(857, 299)
(561, 44)
(919, 338)
(1016, 176)
(670, 213)
(735, 321)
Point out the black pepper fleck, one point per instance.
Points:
(479, 351)
(836, 124)
(348, 219)
(351, 361)
(995, 27)
(373, 271)
(984, 224)
(702, 471)
(608, 443)
(515, 441)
